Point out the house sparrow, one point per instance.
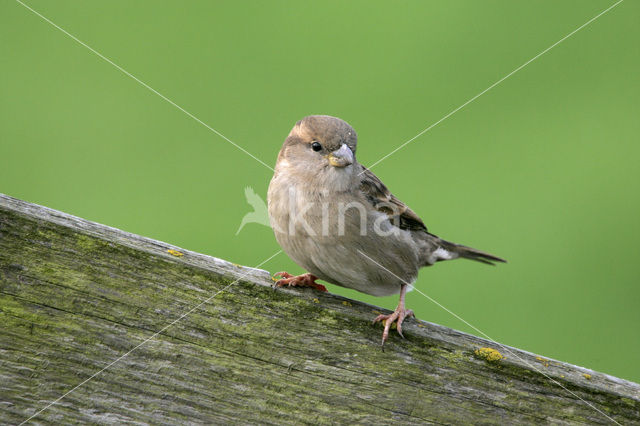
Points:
(337, 220)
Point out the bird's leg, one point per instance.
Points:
(304, 280)
(397, 316)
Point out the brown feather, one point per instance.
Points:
(384, 201)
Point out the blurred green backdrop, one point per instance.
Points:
(543, 169)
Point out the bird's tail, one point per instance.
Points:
(457, 250)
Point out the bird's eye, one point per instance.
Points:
(316, 146)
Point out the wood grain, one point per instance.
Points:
(75, 296)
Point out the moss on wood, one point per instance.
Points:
(75, 296)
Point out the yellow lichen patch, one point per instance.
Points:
(345, 303)
(394, 325)
(316, 301)
(587, 376)
(488, 354)
(175, 253)
(236, 265)
(377, 312)
(543, 361)
(420, 325)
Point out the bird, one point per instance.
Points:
(337, 220)
(259, 213)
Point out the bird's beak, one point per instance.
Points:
(341, 157)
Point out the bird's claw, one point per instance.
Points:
(281, 274)
(397, 317)
(304, 280)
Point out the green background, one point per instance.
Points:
(543, 169)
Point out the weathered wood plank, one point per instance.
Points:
(76, 295)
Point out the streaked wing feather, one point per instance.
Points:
(384, 201)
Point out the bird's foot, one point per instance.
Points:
(398, 316)
(304, 280)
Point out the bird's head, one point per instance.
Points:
(320, 146)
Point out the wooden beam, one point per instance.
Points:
(128, 329)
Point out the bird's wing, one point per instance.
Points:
(384, 201)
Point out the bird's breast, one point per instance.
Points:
(339, 238)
